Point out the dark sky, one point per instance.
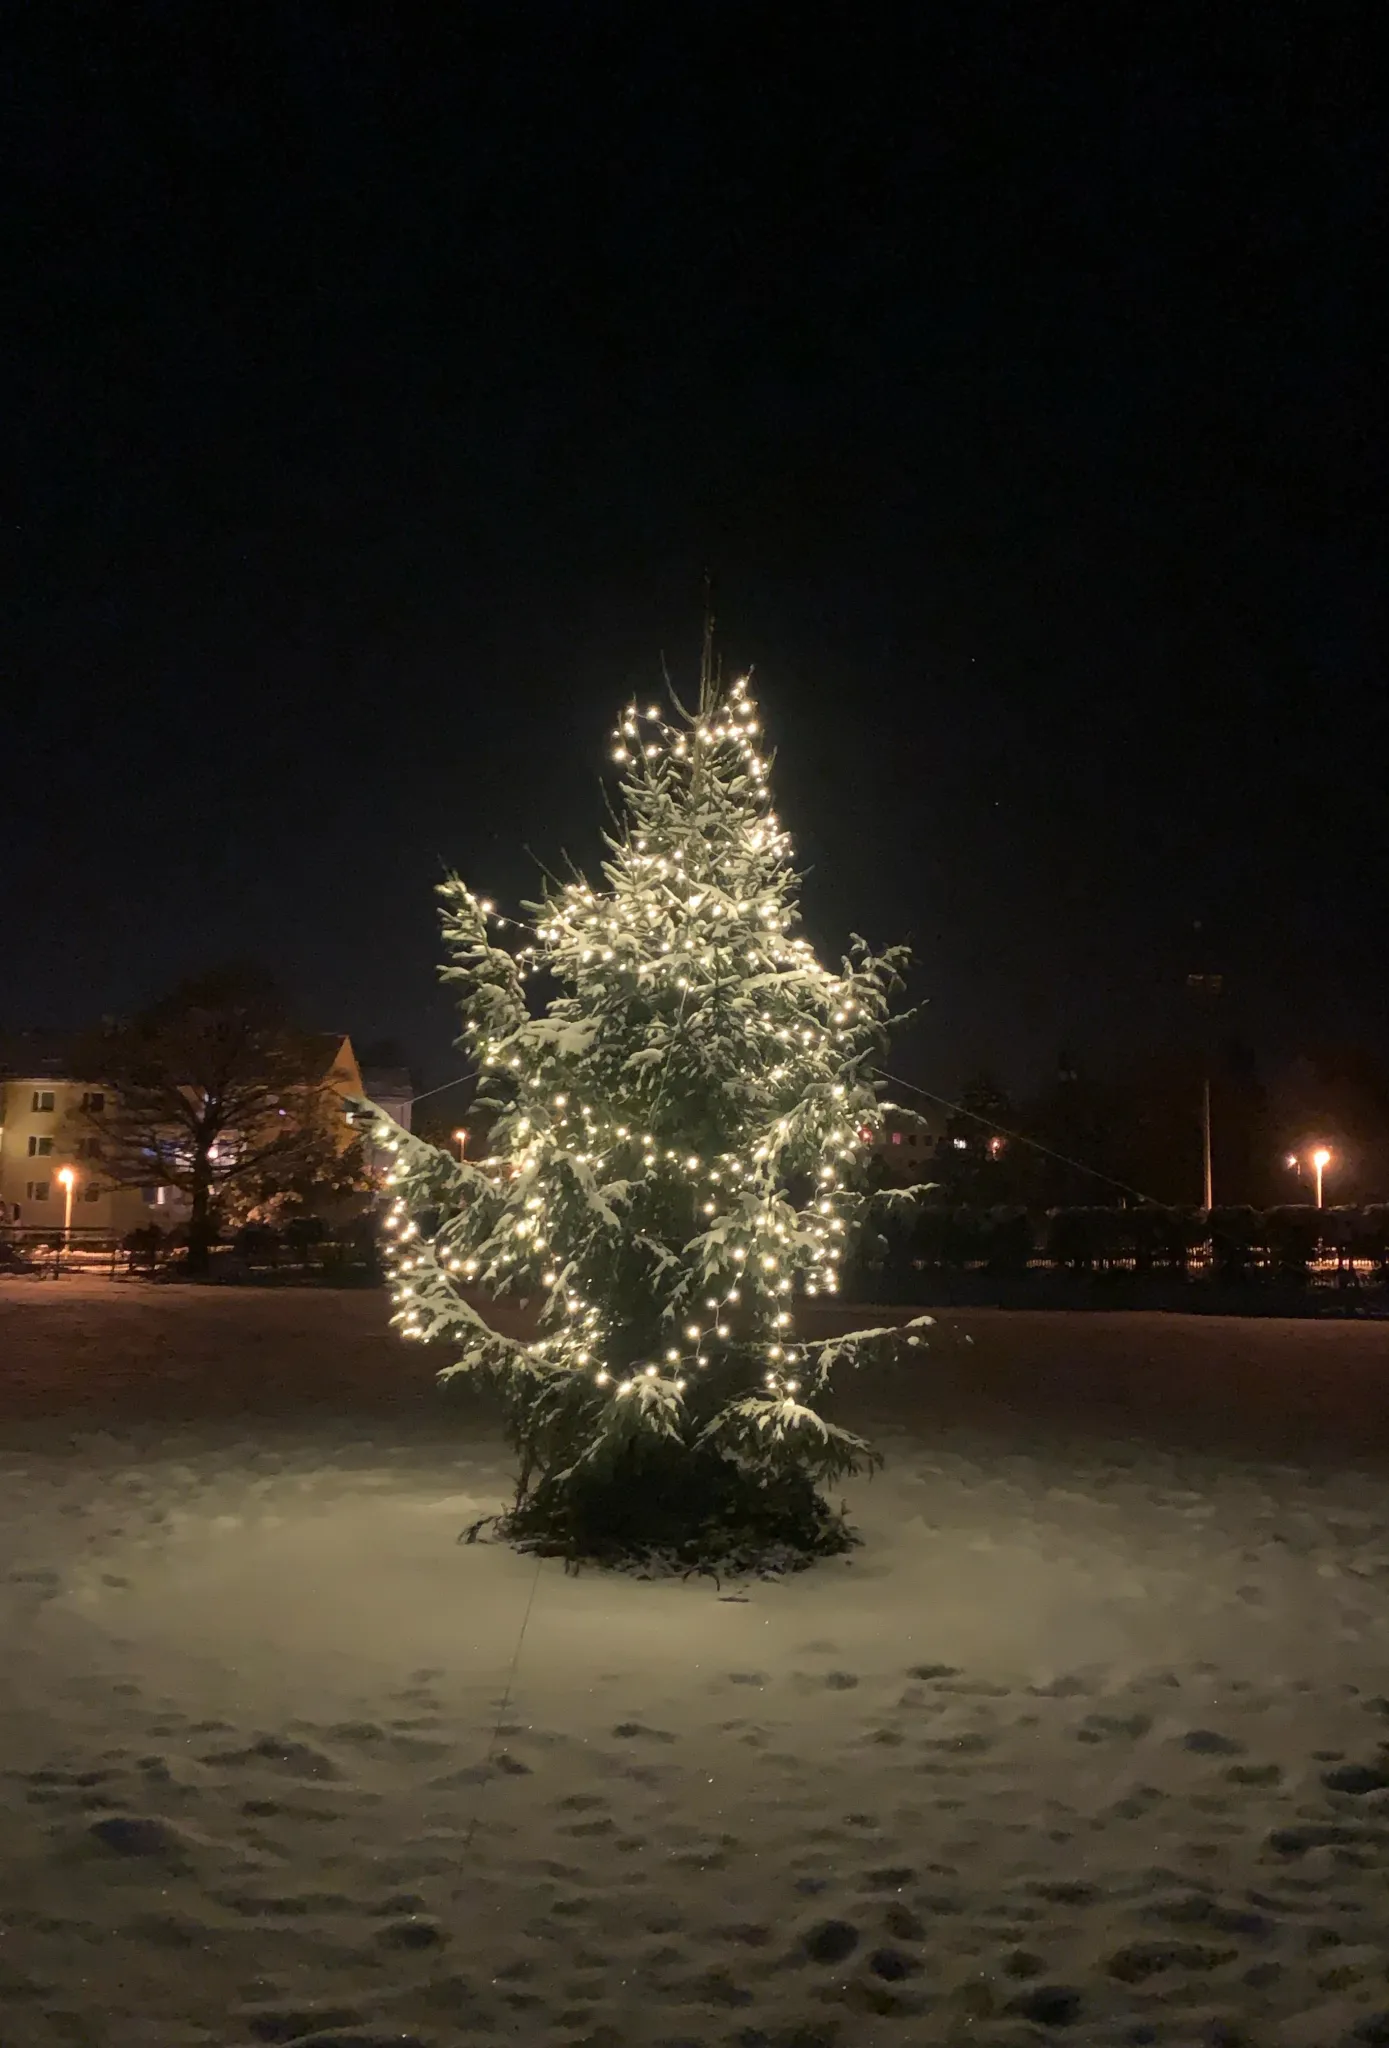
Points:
(379, 395)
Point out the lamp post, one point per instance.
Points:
(1206, 989)
(1321, 1159)
(460, 1139)
(69, 1181)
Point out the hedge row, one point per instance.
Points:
(1228, 1245)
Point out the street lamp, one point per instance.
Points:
(1206, 988)
(69, 1181)
(460, 1139)
(1321, 1159)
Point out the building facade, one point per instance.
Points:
(50, 1144)
(46, 1137)
(904, 1148)
(392, 1090)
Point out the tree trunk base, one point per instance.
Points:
(660, 1516)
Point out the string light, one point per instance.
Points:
(694, 893)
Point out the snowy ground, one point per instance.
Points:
(1085, 1744)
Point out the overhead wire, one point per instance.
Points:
(1017, 1137)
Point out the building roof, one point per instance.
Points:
(322, 1050)
(51, 1055)
(36, 1055)
(395, 1081)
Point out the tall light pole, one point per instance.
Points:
(460, 1139)
(1321, 1159)
(69, 1181)
(1206, 988)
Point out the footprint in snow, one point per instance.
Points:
(300, 1759)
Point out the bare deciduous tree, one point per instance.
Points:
(211, 1092)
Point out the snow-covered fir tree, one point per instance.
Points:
(677, 1171)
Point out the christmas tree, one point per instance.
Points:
(677, 1170)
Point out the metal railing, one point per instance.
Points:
(44, 1250)
(41, 1252)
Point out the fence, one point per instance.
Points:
(45, 1251)
(304, 1249)
(1287, 1251)
(1234, 1258)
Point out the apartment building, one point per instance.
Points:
(905, 1146)
(46, 1135)
(50, 1144)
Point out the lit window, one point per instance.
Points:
(40, 1148)
(43, 1099)
(897, 1137)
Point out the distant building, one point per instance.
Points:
(392, 1089)
(46, 1129)
(330, 1061)
(904, 1149)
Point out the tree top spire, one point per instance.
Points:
(708, 676)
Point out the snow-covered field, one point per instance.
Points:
(1085, 1744)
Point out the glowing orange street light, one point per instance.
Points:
(1321, 1159)
(69, 1181)
(460, 1139)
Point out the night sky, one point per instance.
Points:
(379, 396)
